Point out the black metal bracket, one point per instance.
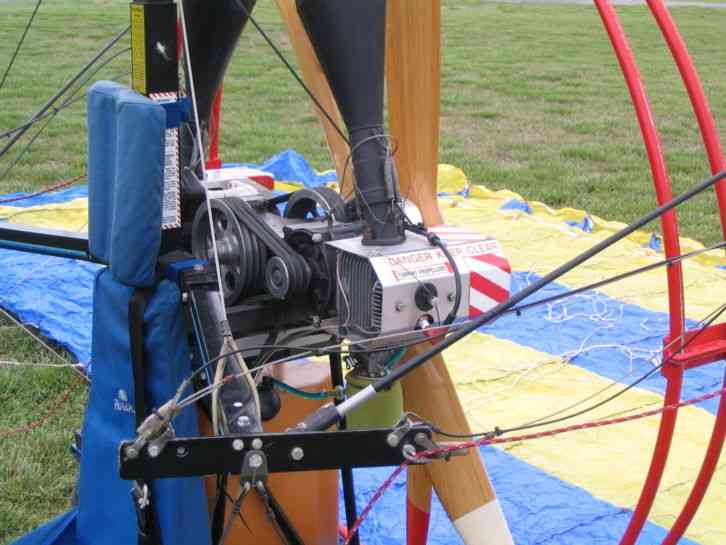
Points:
(289, 451)
(45, 241)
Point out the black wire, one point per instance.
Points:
(52, 116)
(20, 43)
(72, 99)
(548, 420)
(315, 350)
(617, 278)
(27, 146)
(435, 240)
(293, 72)
(239, 513)
(267, 356)
(64, 89)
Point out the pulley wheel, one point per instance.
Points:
(231, 239)
(307, 203)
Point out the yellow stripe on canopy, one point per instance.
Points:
(68, 216)
(541, 240)
(501, 383)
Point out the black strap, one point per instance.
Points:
(218, 515)
(148, 531)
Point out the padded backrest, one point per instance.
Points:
(125, 181)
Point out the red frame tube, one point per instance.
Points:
(705, 475)
(712, 144)
(706, 122)
(214, 123)
(669, 224)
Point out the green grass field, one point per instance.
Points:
(533, 101)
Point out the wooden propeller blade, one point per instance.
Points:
(413, 61)
(314, 77)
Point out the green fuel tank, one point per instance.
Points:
(383, 410)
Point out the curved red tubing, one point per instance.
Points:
(701, 108)
(669, 226)
(705, 474)
(712, 143)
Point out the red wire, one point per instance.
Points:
(43, 419)
(519, 438)
(56, 186)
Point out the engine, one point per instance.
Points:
(306, 250)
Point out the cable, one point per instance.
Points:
(49, 116)
(323, 350)
(293, 72)
(20, 43)
(389, 155)
(25, 149)
(623, 276)
(324, 394)
(49, 104)
(549, 420)
(435, 240)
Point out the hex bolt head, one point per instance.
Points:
(257, 443)
(297, 454)
(131, 453)
(420, 438)
(409, 450)
(255, 461)
(393, 440)
(154, 451)
(243, 421)
(238, 445)
(181, 451)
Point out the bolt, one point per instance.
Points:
(423, 322)
(238, 444)
(181, 451)
(420, 438)
(255, 461)
(393, 440)
(409, 451)
(154, 451)
(297, 454)
(451, 297)
(131, 453)
(237, 404)
(317, 237)
(185, 297)
(257, 443)
(243, 421)
(400, 306)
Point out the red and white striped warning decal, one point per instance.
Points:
(490, 275)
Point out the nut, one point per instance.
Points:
(255, 461)
(238, 445)
(297, 454)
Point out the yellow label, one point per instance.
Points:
(138, 48)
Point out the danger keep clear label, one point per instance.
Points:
(429, 263)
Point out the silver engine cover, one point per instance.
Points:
(377, 284)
